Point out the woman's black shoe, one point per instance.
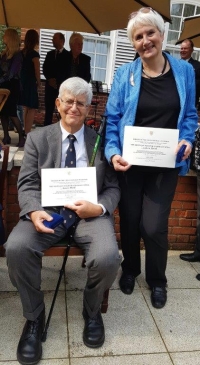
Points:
(158, 296)
(29, 350)
(127, 283)
(6, 140)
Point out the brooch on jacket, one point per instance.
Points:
(132, 79)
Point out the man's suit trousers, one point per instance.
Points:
(24, 251)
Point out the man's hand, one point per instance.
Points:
(52, 83)
(119, 163)
(85, 209)
(37, 218)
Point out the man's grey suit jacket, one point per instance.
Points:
(43, 149)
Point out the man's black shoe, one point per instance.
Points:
(93, 333)
(198, 277)
(29, 350)
(127, 283)
(158, 296)
(191, 257)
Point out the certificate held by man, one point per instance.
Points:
(146, 146)
(66, 186)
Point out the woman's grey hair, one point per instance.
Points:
(144, 16)
(76, 86)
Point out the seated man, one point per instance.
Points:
(47, 148)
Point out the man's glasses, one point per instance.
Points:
(142, 10)
(70, 102)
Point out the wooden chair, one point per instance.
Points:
(4, 93)
(3, 171)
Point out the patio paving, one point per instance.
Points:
(136, 333)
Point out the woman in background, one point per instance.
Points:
(30, 78)
(10, 68)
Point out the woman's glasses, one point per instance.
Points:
(142, 10)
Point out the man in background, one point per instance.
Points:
(187, 47)
(79, 63)
(55, 68)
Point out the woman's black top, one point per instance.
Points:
(159, 103)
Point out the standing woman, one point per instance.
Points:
(158, 91)
(30, 78)
(10, 67)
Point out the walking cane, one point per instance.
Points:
(71, 230)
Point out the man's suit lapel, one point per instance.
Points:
(54, 138)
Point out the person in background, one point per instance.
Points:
(10, 68)
(20, 114)
(186, 50)
(158, 91)
(55, 68)
(48, 148)
(187, 47)
(30, 78)
(79, 63)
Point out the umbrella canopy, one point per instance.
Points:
(191, 30)
(90, 16)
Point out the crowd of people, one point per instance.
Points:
(155, 91)
(20, 73)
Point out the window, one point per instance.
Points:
(179, 11)
(98, 50)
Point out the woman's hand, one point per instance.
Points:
(119, 163)
(188, 149)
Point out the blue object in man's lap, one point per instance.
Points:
(57, 219)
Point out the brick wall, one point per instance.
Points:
(182, 221)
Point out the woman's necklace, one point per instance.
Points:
(162, 72)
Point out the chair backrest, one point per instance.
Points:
(4, 93)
